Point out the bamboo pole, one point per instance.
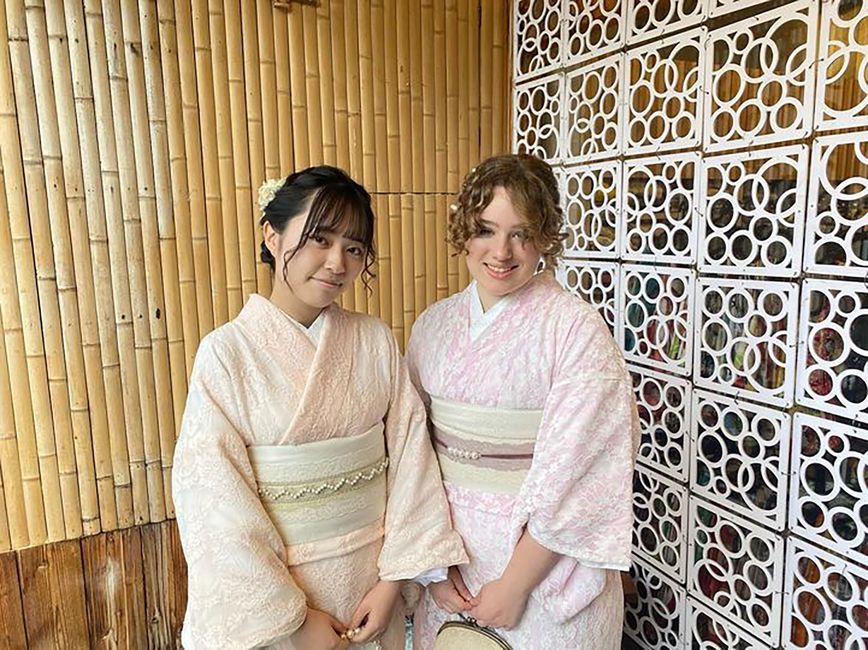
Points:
(384, 257)
(393, 212)
(439, 66)
(498, 73)
(381, 137)
(126, 251)
(265, 24)
(242, 144)
(453, 174)
(90, 253)
(169, 363)
(365, 302)
(339, 50)
(225, 164)
(87, 393)
(171, 75)
(413, 29)
(430, 249)
(195, 174)
(381, 149)
(152, 346)
(393, 125)
(105, 227)
(57, 295)
(407, 266)
(138, 212)
(354, 100)
(15, 460)
(366, 86)
(41, 311)
(312, 84)
(428, 98)
(253, 98)
(444, 251)
(464, 90)
(298, 90)
(474, 18)
(486, 81)
(472, 90)
(280, 49)
(210, 163)
(405, 110)
(326, 81)
(420, 299)
(433, 248)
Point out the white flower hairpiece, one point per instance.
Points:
(266, 192)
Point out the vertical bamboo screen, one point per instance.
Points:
(133, 137)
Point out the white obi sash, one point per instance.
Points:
(325, 498)
(482, 447)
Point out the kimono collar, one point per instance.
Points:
(259, 310)
(480, 319)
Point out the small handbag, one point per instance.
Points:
(466, 634)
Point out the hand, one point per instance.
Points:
(374, 613)
(452, 594)
(501, 604)
(319, 631)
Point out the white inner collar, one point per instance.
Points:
(480, 318)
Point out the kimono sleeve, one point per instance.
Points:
(240, 592)
(419, 534)
(576, 499)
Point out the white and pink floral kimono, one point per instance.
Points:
(535, 427)
(303, 474)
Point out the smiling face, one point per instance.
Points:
(311, 278)
(499, 256)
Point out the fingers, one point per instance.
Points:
(362, 612)
(448, 598)
(370, 628)
(463, 591)
(338, 627)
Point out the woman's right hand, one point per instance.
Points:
(320, 631)
(452, 594)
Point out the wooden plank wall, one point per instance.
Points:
(121, 589)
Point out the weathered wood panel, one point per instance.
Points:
(52, 586)
(11, 613)
(114, 590)
(123, 589)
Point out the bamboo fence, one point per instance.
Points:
(133, 137)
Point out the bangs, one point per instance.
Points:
(341, 210)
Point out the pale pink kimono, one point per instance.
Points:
(260, 380)
(540, 348)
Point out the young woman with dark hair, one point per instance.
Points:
(305, 486)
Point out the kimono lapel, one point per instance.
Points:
(319, 415)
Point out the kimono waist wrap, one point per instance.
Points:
(325, 498)
(482, 447)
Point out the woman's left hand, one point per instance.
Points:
(374, 613)
(501, 604)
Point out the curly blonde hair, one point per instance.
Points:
(533, 190)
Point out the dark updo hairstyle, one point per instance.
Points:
(533, 190)
(335, 203)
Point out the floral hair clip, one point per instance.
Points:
(266, 192)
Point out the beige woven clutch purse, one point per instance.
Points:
(467, 635)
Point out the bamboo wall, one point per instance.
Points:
(133, 136)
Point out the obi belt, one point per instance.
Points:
(325, 498)
(482, 447)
